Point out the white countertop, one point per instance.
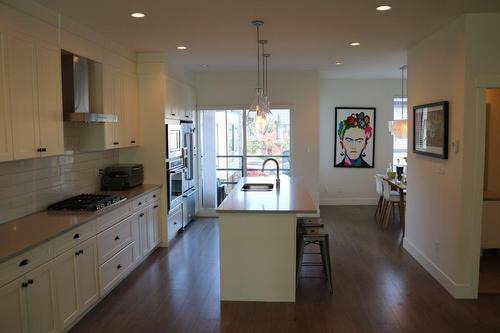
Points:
(291, 198)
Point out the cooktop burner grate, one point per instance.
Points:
(87, 202)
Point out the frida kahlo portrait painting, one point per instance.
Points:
(354, 137)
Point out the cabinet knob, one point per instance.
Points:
(119, 266)
(81, 251)
(141, 214)
(77, 253)
(116, 143)
(44, 149)
(76, 236)
(140, 203)
(30, 281)
(24, 285)
(154, 195)
(133, 141)
(117, 238)
(155, 206)
(39, 150)
(24, 262)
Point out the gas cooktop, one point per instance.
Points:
(87, 202)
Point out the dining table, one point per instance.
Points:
(400, 186)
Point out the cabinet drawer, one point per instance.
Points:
(139, 203)
(25, 262)
(73, 238)
(113, 217)
(115, 268)
(114, 239)
(174, 221)
(153, 196)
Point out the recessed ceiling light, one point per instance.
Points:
(383, 8)
(355, 43)
(338, 63)
(181, 47)
(138, 15)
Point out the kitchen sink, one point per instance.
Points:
(257, 187)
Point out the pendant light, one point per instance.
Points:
(258, 105)
(399, 128)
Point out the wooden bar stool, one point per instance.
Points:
(310, 231)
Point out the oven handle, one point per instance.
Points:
(175, 171)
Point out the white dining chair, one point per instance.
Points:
(390, 199)
(380, 192)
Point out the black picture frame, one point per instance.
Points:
(421, 131)
(372, 111)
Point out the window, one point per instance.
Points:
(239, 151)
(400, 145)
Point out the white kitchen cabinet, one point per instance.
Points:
(153, 227)
(129, 124)
(34, 100)
(174, 221)
(136, 237)
(50, 113)
(143, 231)
(75, 280)
(5, 125)
(13, 307)
(22, 85)
(181, 101)
(40, 309)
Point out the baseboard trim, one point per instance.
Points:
(349, 201)
(457, 290)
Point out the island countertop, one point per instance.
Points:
(291, 198)
(29, 231)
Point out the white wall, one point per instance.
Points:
(298, 90)
(342, 186)
(444, 196)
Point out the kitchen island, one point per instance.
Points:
(257, 239)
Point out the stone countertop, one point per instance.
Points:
(22, 234)
(292, 198)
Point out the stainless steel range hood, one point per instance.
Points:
(75, 89)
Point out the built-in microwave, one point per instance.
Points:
(173, 132)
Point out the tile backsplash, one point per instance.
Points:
(28, 186)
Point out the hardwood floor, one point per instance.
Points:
(377, 288)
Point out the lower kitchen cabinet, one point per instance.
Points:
(27, 303)
(153, 225)
(75, 276)
(174, 221)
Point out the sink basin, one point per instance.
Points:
(257, 187)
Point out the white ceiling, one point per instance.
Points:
(302, 34)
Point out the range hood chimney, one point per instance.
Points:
(75, 91)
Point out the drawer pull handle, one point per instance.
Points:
(133, 141)
(77, 253)
(44, 149)
(155, 206)
(76, 236)
(154, 195)
(141, 214)
(24, 262)
(140, 203)
(81, 251)
(30, 281)
(116, 143)
(117, 238)
(24, 285)
(119, 266)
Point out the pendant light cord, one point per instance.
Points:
(258, 58)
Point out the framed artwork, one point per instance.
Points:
(354, 137)
(430, 129)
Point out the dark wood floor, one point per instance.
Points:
(377, 288)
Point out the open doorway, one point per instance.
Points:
(489, 273)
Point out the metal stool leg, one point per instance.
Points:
(328, 263)
(300, 254)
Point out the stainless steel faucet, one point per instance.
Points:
(277, 171)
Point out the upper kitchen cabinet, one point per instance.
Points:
(181, 101)
(129, 133)
(5, 125)
(33, 103)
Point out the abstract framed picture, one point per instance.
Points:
(430, 129)
(354, 137)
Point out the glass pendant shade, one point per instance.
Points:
(399, 128)
(258, 104)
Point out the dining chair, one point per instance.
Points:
(380, 192)
(391, 198)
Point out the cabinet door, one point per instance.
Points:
(108, 105)
(5, 125)
(86, 272)
(49, 100)
(66, 292)
(136, 237)
(130, 114)
(13, 307)
(117, 109)
(40, 300)
(153, 218)
(23, 95)
(143, 230)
